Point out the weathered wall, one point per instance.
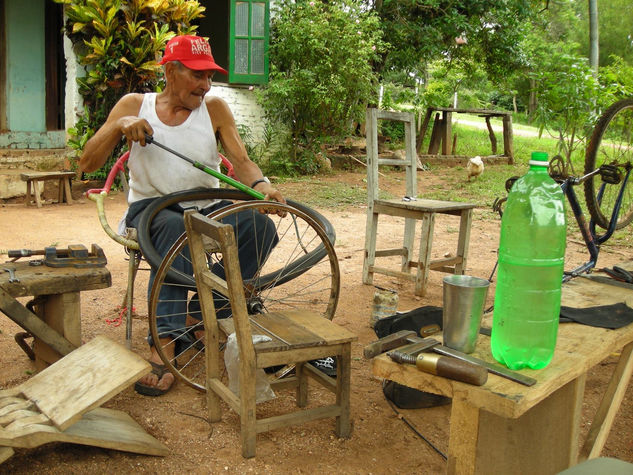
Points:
(243, 104)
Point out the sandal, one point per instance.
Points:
(159, 370)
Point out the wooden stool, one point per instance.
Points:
(412, 209)
(31, 179)
(424, 211)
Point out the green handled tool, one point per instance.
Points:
(210, 171)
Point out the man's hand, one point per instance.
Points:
(271, 194)
(135, 129)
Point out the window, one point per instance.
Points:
(248, 41)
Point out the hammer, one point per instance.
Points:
(415, 345)
(444, 366)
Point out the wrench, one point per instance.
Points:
(12, 277)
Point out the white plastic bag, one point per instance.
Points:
(263, 391)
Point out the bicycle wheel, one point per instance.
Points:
(611, 149)
(300, 271)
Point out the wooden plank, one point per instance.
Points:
(300, 417)
(393, 115)
(436, 135)
(324, 328)
(508, 145)
(605, 415)
(543, 440)
(107, 428)
(83, 380)
(33, 324)
(5, 453)
(491, 135)
(112, 429)
(62, 313)
(45, 175)
(423, 128)
(44, 280)
(447, 133)
(462, 440)
(428, 206)
(482, 112)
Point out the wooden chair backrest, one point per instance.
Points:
(197, 226)
(373, 161)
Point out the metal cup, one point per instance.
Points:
(464, 300)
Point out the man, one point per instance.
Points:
(188, 120)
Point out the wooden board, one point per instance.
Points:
(5, 453)
(300, 329)
(83, 380)
(44, 280)
(107, 428)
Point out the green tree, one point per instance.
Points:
(420, 31)
(118, 43)
(567, 95)
(320, 76)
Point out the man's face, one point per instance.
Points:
(190, 85)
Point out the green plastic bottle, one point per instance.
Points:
(531, 260)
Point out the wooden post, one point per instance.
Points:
(447, 133)
(425, 125)
(508, 147)
(491, 134)
(436, 135)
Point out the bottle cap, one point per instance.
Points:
(539, 159)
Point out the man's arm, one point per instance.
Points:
(122, 120)
(246, 170)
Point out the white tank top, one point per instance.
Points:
(156, 172)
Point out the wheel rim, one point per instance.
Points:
(610, 144)
(279, 284)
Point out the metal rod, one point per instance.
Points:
(209, 171)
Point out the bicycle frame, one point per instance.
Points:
(588, 230)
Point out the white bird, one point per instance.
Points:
(475, 167)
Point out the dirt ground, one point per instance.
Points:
(381, 441)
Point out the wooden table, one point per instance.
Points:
(55, 321)
(442, 132)
(505, 427)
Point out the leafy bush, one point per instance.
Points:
(321, 74)
(118, 43)
(568, 98)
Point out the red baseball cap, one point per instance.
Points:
(192, 51)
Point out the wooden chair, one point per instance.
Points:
(297, 337)
(412, 209)
(126, 236)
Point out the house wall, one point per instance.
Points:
(25, 78)
(26, 91)
(243, 104)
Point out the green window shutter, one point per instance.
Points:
(248, 50)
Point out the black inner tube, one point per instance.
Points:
(294, 269)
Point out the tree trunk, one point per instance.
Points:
(593, 36)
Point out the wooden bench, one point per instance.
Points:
(442, 134)
(31, 179)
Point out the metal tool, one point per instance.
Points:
(396, 340)
(76, 255)
(12, 277)
(492, 368)
(442, 366)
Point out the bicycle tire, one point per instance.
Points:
(313, 284)
(154, 258)
(611, 143)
